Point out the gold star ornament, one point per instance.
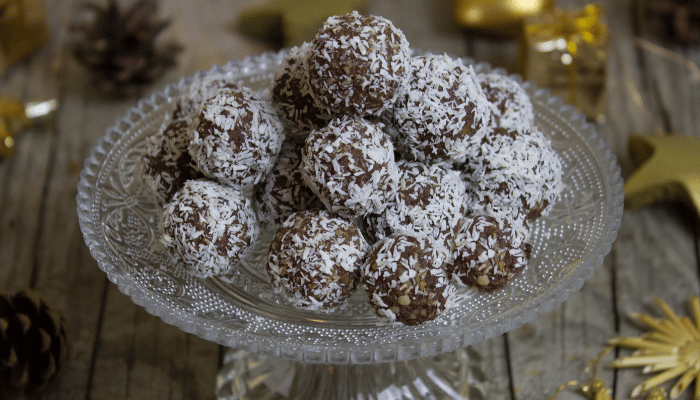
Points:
(670, 349)
(669, 169)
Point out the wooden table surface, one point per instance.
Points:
(118, 351)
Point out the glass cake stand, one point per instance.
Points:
(281, 352)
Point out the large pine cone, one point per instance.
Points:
(120, 48)
(33, 341)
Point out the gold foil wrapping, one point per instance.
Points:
(566, 52)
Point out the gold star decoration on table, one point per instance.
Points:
(669, 169)
(670, 349)
(293, 22)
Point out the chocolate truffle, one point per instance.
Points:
(487, 253)
(350, 166)
(358, 64)
(314, 259)
(284, 191)
(442, 112)
(291, 95)
(201, 88)
(513, 175)
(167, 164)
(207, 228)
(512, 107)
(405, 279)
(429, 202)
(237, 139)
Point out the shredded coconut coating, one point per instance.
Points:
(512, 107)
(513, 175)
(284, 191)
(292, 96)
(167, 164)
(237, 139)
(359, 64)
(405, 280)
(442, 112)
(189, 103)
(488, 252)
(429, 202)
(350, 166)
(315, 258)
(207, 228)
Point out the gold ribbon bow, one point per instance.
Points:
(570, 34)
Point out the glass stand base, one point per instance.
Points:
(455, 375)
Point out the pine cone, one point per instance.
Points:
(119, 48)
(33, 341)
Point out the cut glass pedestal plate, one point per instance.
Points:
(280, 352)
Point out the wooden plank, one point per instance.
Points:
(428, 26)
(655, 257)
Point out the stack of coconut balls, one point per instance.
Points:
(404, 175)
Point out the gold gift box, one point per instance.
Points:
(566, 52)
(22, 29)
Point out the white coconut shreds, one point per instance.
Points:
(350, 166)
(511, 104)
(167, 164)
(237, 139)
(314, 259)
(513, 175)
(284, 191)
(291, 94)
(208, 228)
(488, 252)
(428, 202)
(442, 112)
(405, 279)
(189, 103)
(358, 64)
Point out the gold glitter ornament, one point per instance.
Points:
(671, 348)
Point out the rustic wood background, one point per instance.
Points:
(121, 352)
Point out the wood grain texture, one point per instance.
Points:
(119, 351)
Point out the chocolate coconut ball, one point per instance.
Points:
(237, 139)
(428, 202)
(350, 166)
(314, 259)
(488, 252)
(167, 164)
(292, 96)
(202, 88)
(513, 175)
(284, 191)
(405, 279)
(208, 228)
(442, 112)
(512, 107)
(358, 64)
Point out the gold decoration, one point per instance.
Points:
(504, 16)
(672, 349)
(15, 117)
(565, 51)
(22, 29)
(293, 22)
(596, 388)
(669, 168)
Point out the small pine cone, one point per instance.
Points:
(677, 20)
(33, 341)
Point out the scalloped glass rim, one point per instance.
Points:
(302, 342)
